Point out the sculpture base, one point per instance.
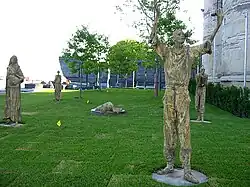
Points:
(196, 121)
(93, 111)
(177, 178)
(11, 124)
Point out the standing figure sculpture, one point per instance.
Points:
(58, 86)
(200, 95)
(14, 78)
(178, 60)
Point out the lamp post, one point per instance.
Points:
(246, 49)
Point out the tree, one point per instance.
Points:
(164, 11)
(123, 57)
(167, 22)
(86, 51)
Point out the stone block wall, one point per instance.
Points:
(230, 42)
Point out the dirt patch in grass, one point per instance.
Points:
(103, 136)
(67, 166)
(29, 113)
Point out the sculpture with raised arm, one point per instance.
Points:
(178, 60)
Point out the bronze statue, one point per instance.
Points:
(58, 86)
(108, 108)
(14, 78)
(200, 95)
(178, 60)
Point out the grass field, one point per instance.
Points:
(114, 151)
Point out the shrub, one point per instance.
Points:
(235, 100)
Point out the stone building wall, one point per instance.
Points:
(227, 67)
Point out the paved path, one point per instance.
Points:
(23, 90)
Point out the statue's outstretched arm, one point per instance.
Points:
(206, 47)
(220, 16)
(160, 47)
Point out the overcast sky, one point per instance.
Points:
(36, 31)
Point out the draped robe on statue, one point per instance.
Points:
(14, 78)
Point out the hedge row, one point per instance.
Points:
(235, 100)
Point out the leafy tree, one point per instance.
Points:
(123, 57)
(147, 9)
(87, 50)
(164, 11)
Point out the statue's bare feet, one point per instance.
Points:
(165, 171)
(189, 177)
(198, 119)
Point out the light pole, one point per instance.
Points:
(246, 49)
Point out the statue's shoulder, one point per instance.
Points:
(187, 47)
(198, 74)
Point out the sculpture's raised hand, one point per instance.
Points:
(220, 16)
(153, 35)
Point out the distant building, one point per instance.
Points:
(139, 77)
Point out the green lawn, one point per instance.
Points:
(115, 151)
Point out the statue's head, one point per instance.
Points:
(179, 36)
(58, 72)
(13, 60)
(202, 70)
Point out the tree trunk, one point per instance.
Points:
(156, 81)
(133, 79)
(98, 78)
(108, 79)
(87, 80)
(126, 81)
(160, 74)
(117, 80)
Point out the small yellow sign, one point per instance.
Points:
(87, 101)
(59, 123)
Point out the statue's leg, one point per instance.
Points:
(55, 93)
(60, 95)
(169, 130)
(183, 123)
(196, 99)
(197, 103)
(203, 100)
(7, 106)
(14, 102)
